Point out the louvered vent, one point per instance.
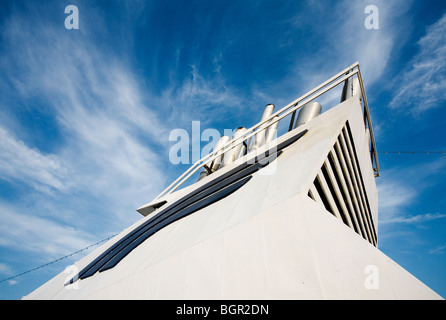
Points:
(339, 187)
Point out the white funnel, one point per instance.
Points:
(272, 129)
(214, 165)
(237, 151)
(307, 112)
(350, 89)
(260, 136)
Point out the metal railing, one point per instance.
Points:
(279, 115)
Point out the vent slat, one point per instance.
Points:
(340, 188)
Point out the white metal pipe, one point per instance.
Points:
(272, 130)
(350, 89)
(259, 139)
(240, 149)
(217, 151)
(309, 111)
(233, 154)
(213, 164)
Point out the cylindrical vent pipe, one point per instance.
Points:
(214, 165)
(260, 136)
(368, 137)
(272, 130)
(350, 89)
(307, 112)
(237, 151)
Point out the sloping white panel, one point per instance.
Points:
(268, 240)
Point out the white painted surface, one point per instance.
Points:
(268, 240)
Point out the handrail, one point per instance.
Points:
(273, 118)
(373, 150)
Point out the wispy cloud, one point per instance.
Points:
(346, 40)
(107, 162)
(112, 136)
(195, 96)
(422, 86)
(342, 39)
(401, 187)
(394, 195)
(43, 236)
(438, 250)
(415, 219)
(20, 162)
(6, 269)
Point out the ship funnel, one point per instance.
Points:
(272, 130)
(307, 112)
(214, 165)
(350, 89)
(237, 151)
(260, 136)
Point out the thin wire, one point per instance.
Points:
(412, 152)
(57, 260)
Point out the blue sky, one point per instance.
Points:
(85, 115)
